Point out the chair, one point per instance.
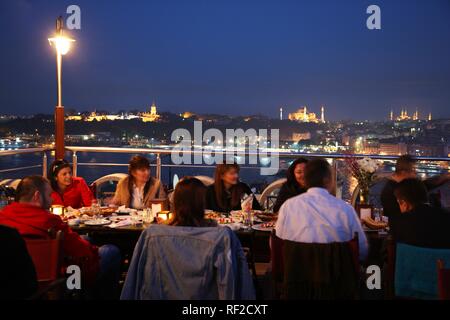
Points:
(47, 255)
(12, 183)
(321, 270)
(192, 263)
(443, 281)
(415, 271)
(207, 181)
(97, 184)
(277, 263)
(269, 193)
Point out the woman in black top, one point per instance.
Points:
(294, 185)
(225, 194)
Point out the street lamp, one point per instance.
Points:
(62, 45)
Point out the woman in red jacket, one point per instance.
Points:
(68, 191)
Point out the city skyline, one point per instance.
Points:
(308, 54)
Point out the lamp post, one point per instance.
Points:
(62, 46)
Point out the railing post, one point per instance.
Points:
(334, 174)
(158, 166)
(44, 164)
(74, 163)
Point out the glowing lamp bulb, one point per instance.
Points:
(61, 43)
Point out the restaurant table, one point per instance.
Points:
(258, 241)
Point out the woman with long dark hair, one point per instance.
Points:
(139, 189)
(189, 204)
(68, 190)
(225, 194)
(295, 183)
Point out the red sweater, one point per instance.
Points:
(33, 221)
(76, 195)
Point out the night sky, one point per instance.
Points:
(230, 57)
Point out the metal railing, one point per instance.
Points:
(42, 165)
(160, 152)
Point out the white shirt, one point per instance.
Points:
(137, 198)
(318, 217)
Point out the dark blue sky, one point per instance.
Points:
(233, 57)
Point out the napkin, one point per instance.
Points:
(121, 223)
(247, 202)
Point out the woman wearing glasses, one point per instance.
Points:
(68, 190)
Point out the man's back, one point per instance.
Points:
(425, 226)
(318, 217)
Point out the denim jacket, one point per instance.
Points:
(188, 263)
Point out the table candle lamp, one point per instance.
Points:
(165, 215)
(156, 208)
(57, 209)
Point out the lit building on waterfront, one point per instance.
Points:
(404, 116)
(151, 116)
(302, 115)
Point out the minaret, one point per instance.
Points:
(322, 114)
(281, 113)
(429, 116)
(416, 115)
(305, 116)
(391, 115)
(153, 108)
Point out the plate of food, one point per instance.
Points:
(107, 211)
(266, 226)
(267, 216)
(97, 222)
(225, 220)
(239, 215)
(213, 214)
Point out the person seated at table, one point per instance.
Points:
(30, 216)
(189, 204)
(419, 224)
(405, 168)
(139, 189)
(294, 185)
(225, 194)
(316, 216)
(68, 191)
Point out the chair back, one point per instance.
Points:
(276, 257)
(443, 281)
(321, 270)
(270, 192)
(415, 271)
(193, 263)
(207, 181)
(47, 256)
